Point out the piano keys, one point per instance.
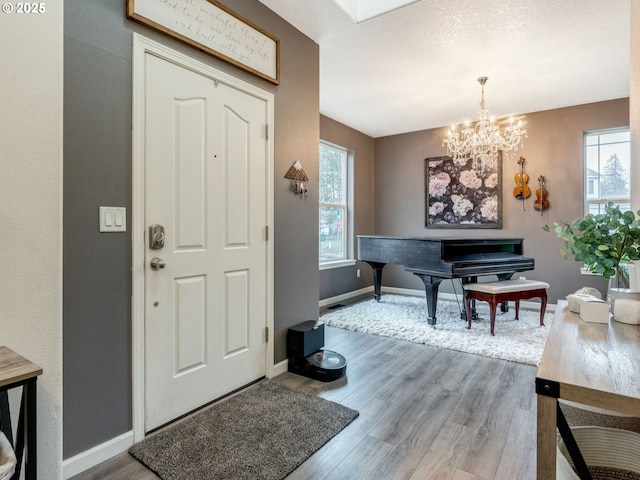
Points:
(437, 259)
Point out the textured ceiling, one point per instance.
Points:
(417, 67)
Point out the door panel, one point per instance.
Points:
(190, 168)
(237, 326)
(206, 310)
(237, 168)
(189, 323)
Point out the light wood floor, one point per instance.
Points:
(425, 413)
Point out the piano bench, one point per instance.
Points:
(503, 291)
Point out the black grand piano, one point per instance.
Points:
(436, 259)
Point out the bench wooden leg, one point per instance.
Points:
(543, 307)
(493, 304)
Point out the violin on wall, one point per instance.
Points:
(541, 203)
(522, 190)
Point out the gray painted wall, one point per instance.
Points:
(97, 279)
(97, 171)
(337, 281)
(553, 148)
(97, 156)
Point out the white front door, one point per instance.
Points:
(205, 182)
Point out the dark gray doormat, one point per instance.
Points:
(264, 432)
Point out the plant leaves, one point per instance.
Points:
(601, 241)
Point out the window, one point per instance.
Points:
(334, 205)
(607, 155)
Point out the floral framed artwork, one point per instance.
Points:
(459, 196)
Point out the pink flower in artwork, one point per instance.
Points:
(438, 184)
(436, 209)
(491, 181)
(489, 208)
(469, 179)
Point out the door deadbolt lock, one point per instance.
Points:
(156, 236)
(157, 263)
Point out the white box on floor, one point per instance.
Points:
(594, 311)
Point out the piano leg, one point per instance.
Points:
(377, 278)
(474, 313)
(431, 285)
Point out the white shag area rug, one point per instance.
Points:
(405, 318)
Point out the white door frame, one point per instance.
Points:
(142, 46)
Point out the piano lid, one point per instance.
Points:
(446, 257)
(448, 239)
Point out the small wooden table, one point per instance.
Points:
(17, 371)
(589, 363)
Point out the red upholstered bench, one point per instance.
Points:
(503, 291)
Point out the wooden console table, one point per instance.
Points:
(590, 363)
(17, 371)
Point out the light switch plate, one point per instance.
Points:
(113, 219)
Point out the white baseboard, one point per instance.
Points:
(363, 291)
(551, 307)
(409, 291)
(281, 367)
(96, 455)
(345, 296)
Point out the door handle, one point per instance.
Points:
(156, 236)
(157, 263)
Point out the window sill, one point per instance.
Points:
(337, 264)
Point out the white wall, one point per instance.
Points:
(31, 76)
(634, 104)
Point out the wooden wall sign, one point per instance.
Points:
(215, 29)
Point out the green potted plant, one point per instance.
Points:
(602, 242)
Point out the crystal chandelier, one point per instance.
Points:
(483, 141)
